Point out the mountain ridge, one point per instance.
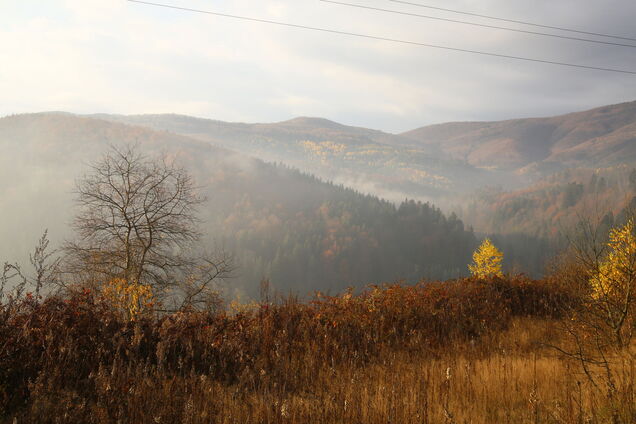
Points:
(429, 163)
(537, 142)
(434, 162)
(303, 119)
(304, 233)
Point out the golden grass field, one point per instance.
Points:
(457, 353)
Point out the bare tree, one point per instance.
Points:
(45, 265)
(137, 221)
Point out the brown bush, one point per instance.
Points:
(76, 360)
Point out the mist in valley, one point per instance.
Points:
(326, 206)
(317, 211)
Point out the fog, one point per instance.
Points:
(315, 205)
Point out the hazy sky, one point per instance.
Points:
(115, 56)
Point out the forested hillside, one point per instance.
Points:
(605, 136)
(433, 162)
(302, 233)
(371, 161)
(549, 208)
(522, 182)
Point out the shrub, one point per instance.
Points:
(69, 347)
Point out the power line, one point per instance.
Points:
(378, 38)
(588, 40)
(513, 21)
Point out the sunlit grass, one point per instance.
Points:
(459, 352)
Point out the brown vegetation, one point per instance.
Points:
(539, 146)
(462, 351)
(551, 206)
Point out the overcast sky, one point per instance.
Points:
(115, 56)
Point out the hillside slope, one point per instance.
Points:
(551, 207)
(303, 233)
(371, 161)
(604, 136)
(434, 162)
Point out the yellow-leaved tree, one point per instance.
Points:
(615, 277)
(600, 318)
(486, 261)
(132, 299)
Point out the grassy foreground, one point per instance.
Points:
(467, 351)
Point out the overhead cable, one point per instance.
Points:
(388, 39)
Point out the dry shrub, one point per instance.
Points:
(422, 353)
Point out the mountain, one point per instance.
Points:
(604, 136)
(43, 154)
(286, 131)
(279, 223)
(438, 162)
(371, 161)
(520, 181)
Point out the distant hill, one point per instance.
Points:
(302, 128)
(434, 162)
(299, 231)
(604, 136)
(43, 154)
(550, 208)
(371, 161)
(524, 179)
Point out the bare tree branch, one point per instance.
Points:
(137, 220)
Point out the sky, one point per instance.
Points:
(116, 56)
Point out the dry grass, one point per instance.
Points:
(433, 354)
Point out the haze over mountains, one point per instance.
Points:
(369, 160)
(516, 178)
(279, 223)
(604, 136)
(431, 162)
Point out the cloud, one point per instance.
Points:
(98, 55)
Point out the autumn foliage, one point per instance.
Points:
(486, 261)
(616, 274)
(131, 298)
(61, 355)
